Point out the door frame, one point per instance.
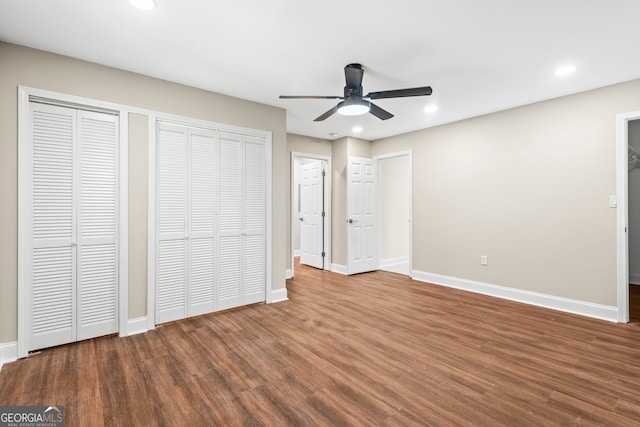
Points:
(295, 155)
(622, 211)
(24, 159)
(410, 172)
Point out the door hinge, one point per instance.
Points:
(323, 255)
(323, 214)
(324, 174)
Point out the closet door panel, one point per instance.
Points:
(229, 272)
(171, 222)
(202, 219)
(230, 190)
(97, 296)
(51, 263)
(253, 221)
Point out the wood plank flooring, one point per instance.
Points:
(368, 350)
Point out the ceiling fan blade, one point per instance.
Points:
(353, 75)
(327, 114)
(401, 93)
(309, 97)
(379, 112)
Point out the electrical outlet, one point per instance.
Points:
(483, 260)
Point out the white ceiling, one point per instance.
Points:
(479, 56)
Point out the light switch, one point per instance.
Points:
(613, 202)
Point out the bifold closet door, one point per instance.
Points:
(186, 206)
(253, 222)
(241, 225)
(71, 266)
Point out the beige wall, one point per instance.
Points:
(138, 185)
(28, 67)
(339, 202)
(529, 188)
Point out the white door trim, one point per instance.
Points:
(400, 154)
(622, 214)
(327, 205)
(24, 159)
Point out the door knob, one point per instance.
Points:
(351, 221)
(301, 219)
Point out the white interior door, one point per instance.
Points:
(311, 214)
(362, 217)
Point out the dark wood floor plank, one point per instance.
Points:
(369, 349)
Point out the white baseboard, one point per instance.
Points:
(279, 295)
(396, 265)
(634, 279)
(583, 308)
(341, 269)
(137, 326)
(8, 352)
(297, 252)
(288, 274)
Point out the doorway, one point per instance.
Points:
(633, 198)
(628, 213)
(395, 210)
(310, 210)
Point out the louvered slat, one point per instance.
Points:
(172, 190)
(253, 209)
(52, 135)
(98, 303)
(52, 295)
(201, 276)
(170, 280)
(203, 184)
(229, 278)
(230, 181)
(254, 269)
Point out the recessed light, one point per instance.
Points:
(357, 129)
(563, 71)
(431, 108)
(333, 134)
(143, 4)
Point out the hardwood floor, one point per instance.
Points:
(371, 349)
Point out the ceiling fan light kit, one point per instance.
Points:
(354, 103)
(354, 107)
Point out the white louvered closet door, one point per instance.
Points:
(241, 247)
(253, 221)
(229, 289)
(171, 223)
(97, 244)
(186, 207)
(71, 268)
(202, 220)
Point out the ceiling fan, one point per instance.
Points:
(354, 104)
